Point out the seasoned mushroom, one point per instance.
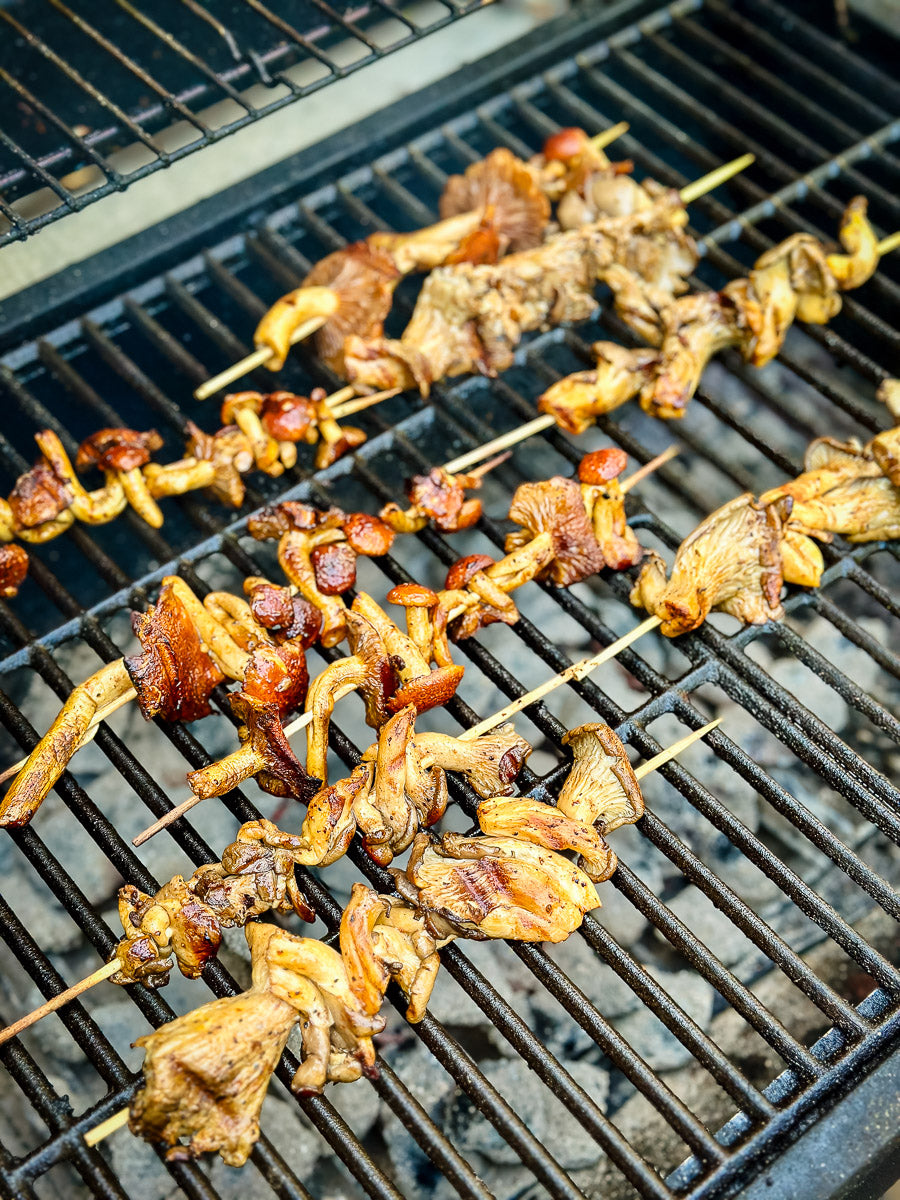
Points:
(544, 825)
(851, 270)
(885, 449)
(382, 938)
(49, 758)
(418, 602)
(486, 887)
(503, 188)
(555, 506)
(731, 562)
(174, 674)
(604, 502)
(123, 452)
(334, 567)
(279, 771)
(291, 311)
(277, 675)
(490, 762)
(362, 279)
(330, 821)
(102, 505)
(243, 409)
(387, 817)
(601, 789)
(289, 617)
(231, 455)
(206, 1074)
(889, 394)
(288, 417)
(367, 534)
(13, 569)
(334, 440)
(39, 496)
(439, 497)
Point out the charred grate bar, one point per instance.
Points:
(743, 977)
(94, 98)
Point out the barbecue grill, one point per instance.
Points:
(741, 998)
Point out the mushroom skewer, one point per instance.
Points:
(257, 870)
(500, 203)
(796, 280)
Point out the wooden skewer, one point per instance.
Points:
(675, 749)
(601, 140)
(886, 245)
(648, 468)
(250, 362)
(110, 968)
(577, 671)
(105, 1128)
(56, 1002)
(360, 402)
(712, 180)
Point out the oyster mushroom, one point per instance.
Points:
(859, 240)
(330, 821)
(123, 452)
(601, 789)
(387, 819)
(503, 887)
(544, 825)
(576, 401)
(490, 762)
(287, 314)
(731, 562)
(885, 449)
(555, 506)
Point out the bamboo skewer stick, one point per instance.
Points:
(601, 140)
(360, 402)
(258, 358)
(117, 1120)
(577, 671)
(886, 245)
(713, 179)
(56, 1002)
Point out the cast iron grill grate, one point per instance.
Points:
(809, 1028)
(95, 97)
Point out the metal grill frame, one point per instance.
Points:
(816, 1077)
(280, 40)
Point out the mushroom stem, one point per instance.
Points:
(51, 755)
(138, 496)
(176, 478)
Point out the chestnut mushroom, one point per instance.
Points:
(94, 508)
(287, 616)
(334, 440)
(40, 497)
(418, 601)
(278, 770)
(604, 502)
(242, 409)
(289, 418)
(13, 569)
(123, 452)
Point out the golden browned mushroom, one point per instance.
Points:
(601, 790)
(575, 401)
(334, 440)
(94, 508)
(276, 608)
(486, 887)
(859, 240)
(51, 755)
(604, 502)
(174, 674)
(38, 498)
(731, 563)
(231, 455)
(418, 602)
(885, 449)
(124, 452)
(439, 497)
(505, 190)
(13, 569)
(555, 506)
(544, 825)
(206, 1074)
(889, 394)
(490, 762)
(177, 478)
(243, 409)
(288, 313)
(369, 668)
(388, 817)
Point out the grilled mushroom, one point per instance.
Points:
(243, 409)
(123, 452)
(604, 502)
(601, 788)
(231, 455)
(104, 504)
(490, 762)
(576, 401)
(13, 569)
(504, 189)
(544, 825)
(555, 506)
(38, 497)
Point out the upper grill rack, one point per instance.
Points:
(154, 344)
(96, 97)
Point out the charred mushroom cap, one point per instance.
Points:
(290, 514)
(38, 496)
(367, 975)
(277, 675)
(442, 498)
(556, 506)
(412, 595)
(117, 449)
(364, 279)
(13, 569)
(504, 188)
(231, 455)
(334, 566)
(602, 788)
(431, 690)
(600, 466)
(367, 534)
(283, 774)
(464, 568)
(290, 617)
(565, 144)
(173, 675)
(418, 602)
(288, 417)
